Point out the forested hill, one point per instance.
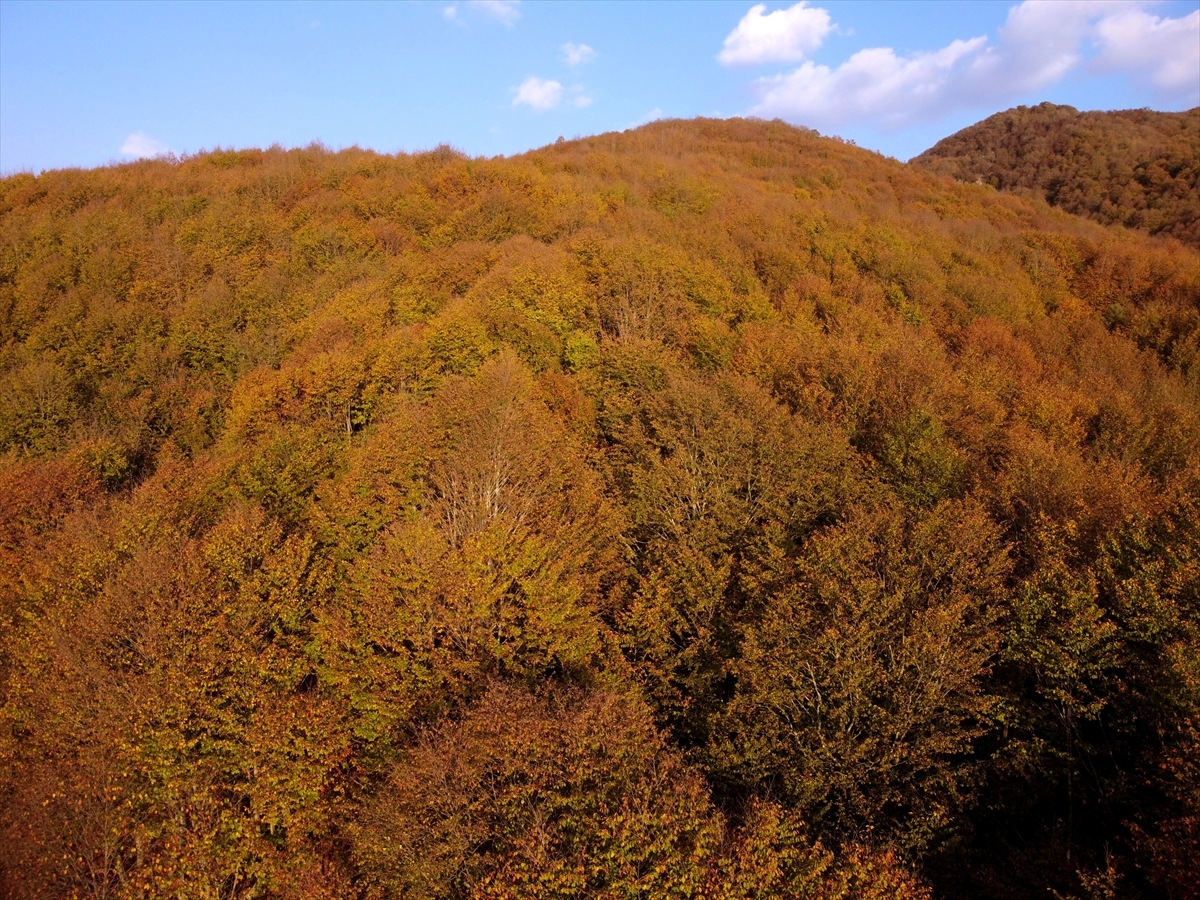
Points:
(1132, 167)
(712, 510)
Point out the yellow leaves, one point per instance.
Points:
(364, 307)
(292, 748)
(458, 342)
(711, 343)
(231, 159)
(503, 602)
(562, 794)
(580, 351)
(673, 195)
(108, 461)
(530, 300)
(1058, 630)
(770, 856)
(238, 544)
(259, 396)
(335, 389)
(866, 874)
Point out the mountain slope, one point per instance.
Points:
(707, 510)
(1136, 168)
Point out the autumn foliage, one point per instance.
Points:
(711, 510)
(1133, 167)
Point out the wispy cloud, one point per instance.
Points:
(786, 35)
(580, 99)
(653, 116)
(538, 94)
(140, 145)
(505, 12)
(1040, 43)
(577, 54)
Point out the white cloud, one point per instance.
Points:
(875, 84)
(140, 145)
(577, 54)
(786, 35)
(538, 94)
(450, 12)
(1039, 43)
(1163, 52)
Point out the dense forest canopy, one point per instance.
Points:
(711, 510)
(1131, 167)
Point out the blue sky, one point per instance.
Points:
(85, 84)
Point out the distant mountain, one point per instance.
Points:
(1130, 167)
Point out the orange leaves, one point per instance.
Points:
(575, 523)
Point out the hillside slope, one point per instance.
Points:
(1134, 167)
(710, 510)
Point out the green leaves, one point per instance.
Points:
(919, 461)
